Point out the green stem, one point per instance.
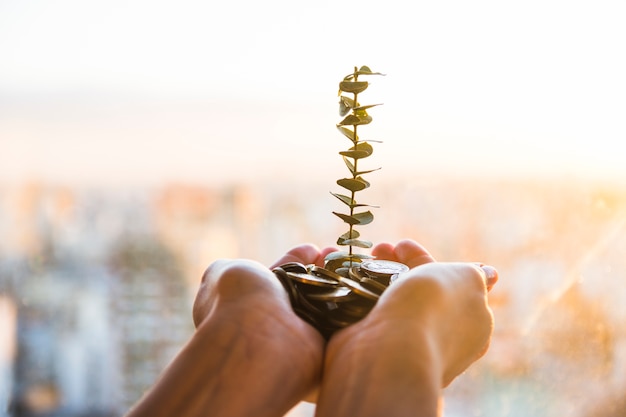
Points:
(355, 162)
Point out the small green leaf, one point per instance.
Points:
(361, 118)
(345, 105)
(365, 120)
(344, 199)
(349, 164)
(349, 133)
(337, 255)
(360, 256)
(356, 242)
(355, 154)
(350, 119)
(363, 218)
(361, 150)
(354, 87)
(365, 70)
(360, 113)
(353, 184)
(346, 218)
(364, 146)
(350, 202)
(350, 234)
(369, 106)
(365, 172)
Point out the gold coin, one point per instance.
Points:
(358, 288)
(312, 279)
(339, 294)
(323, 272)
(293, 267)
(372, 284)
(356, 274)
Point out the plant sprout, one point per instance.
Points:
(354, 115)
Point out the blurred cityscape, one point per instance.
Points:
(96, 285)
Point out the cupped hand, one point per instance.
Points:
(233, 281)
(450, 297)
(426, 328)
(248, 296)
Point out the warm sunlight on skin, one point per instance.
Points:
(159, 91)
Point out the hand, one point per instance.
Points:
(250, 354)
(233, 280)
(427, 328)
(452, 295)
(251, 294)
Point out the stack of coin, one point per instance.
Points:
(329, 301)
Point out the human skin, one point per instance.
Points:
(426, 329)
(252, 356)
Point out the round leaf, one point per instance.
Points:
(350, 234)
(364, 120)
(356, 119)
(355, 154)
(337, 255)
(344, 199)
(354, 87)
(350, 165)
(356, 242)
(369, 106)
(357, 257)
(365, 70)
(366, 172)
(353, 184)
(361, 150)
(348, 133)
(345, 105)
(346, 218)
(350, 202)
(363, 218)
(350, 119)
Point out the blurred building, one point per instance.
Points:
(99, 306)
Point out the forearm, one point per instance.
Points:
(223, 371)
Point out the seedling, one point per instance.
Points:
(349, 285)
(354, 115)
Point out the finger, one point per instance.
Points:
(232, 280)
(412, 253)
(384, 251)
(204, 296)
(305, 254)
(491, 275)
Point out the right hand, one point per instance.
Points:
(448, 300)
(426, 328)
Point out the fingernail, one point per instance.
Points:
(491, 274)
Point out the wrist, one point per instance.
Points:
(368, 375)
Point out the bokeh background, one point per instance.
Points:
(141, 140)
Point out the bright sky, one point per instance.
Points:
(146, 91)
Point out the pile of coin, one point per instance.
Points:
(329, 301)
